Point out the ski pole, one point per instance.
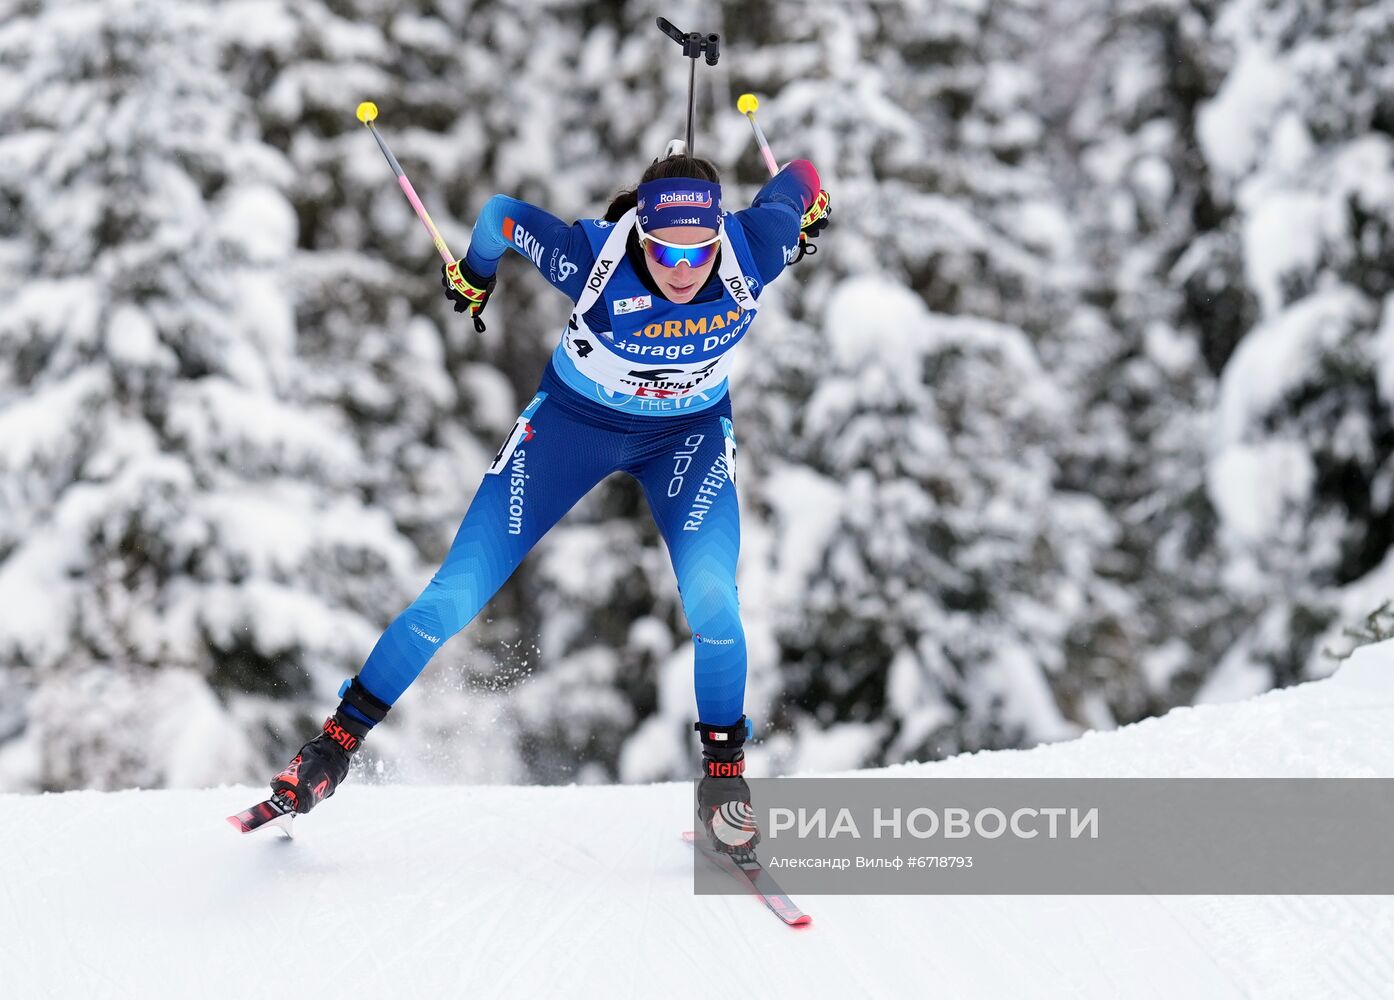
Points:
(367, 112)
(746, 105)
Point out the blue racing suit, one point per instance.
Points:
(656, 408)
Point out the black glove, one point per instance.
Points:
(466, 289)
(814, 221)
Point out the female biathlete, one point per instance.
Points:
(665, 286)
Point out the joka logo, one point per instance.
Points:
(523, 240)
(602, 269)
(684, 199)
(737, 288)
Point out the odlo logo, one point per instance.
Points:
(682, 461)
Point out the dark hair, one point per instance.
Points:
(672, 166)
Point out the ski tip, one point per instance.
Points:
(802, 920)
(272, 812)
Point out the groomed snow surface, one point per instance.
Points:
(395, 892)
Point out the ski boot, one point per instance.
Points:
(323, 762)
(723, 797)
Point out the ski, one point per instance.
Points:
(761, 881)
(275, 811)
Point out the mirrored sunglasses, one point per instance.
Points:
(672, 254)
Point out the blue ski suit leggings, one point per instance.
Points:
(560, 447)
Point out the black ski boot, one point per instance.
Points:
(322, 763)
(723, 797)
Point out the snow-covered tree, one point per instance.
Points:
(925, 570)
(1301, 463)
(1086, 390)
(184, 542)
(1123, 91)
